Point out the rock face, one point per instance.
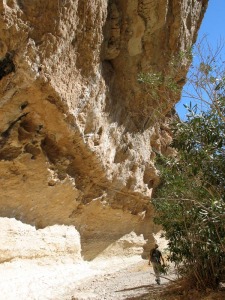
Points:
(21, 241)
(79, 130)
(47, 264)
(57, 243)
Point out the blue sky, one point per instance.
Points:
(213, 26)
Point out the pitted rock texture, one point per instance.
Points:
(79, 132)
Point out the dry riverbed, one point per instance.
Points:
(136, 281)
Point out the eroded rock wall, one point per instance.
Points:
(24, 242)
(79, 132)
(56, 243)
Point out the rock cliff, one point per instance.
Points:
(79, 130)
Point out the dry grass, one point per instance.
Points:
(183, 289)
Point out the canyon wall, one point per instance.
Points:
(79, 129)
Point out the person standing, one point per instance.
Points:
(155, 258)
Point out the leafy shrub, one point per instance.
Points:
(190, 202)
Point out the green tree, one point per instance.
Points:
(190, 201)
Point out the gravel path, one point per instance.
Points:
(135, 282)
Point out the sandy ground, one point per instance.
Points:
(47, 264)
(119, 278)
(115, 279)
(136, 281)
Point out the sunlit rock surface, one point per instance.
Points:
(47, 263)
(79, 132)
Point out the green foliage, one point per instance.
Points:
(164, 86)
(183, 58)
(152, 79)
(196, 235)
(155, 80)
(164, 269)
(190, 202)
(206, 77)
(201, 142)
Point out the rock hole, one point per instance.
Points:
(33, 150)
(6, 65)
(100, 131)
(51, 149)
(6, 133)
(28, 126)
(23, 105)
